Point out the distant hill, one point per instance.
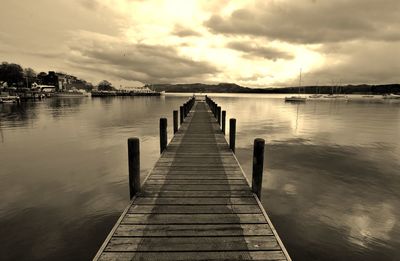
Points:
(234, 88)
(200, 87)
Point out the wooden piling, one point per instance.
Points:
(258, 165)
(219, 115)
(232, 134)
(175, 117)
(163, 134)
(223, 121)
(181, 114)
(134, 166)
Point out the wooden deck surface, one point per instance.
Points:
(196, 204)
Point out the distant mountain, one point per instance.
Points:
(200, 87)
(234, 88)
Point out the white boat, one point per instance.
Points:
(391, 96)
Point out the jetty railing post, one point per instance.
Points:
(223, 121)
(219, 115)
(181, 114)
(232, 134)
(175, 116)
(163, 134)
(258, 165)
(134, 166)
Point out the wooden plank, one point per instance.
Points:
(193, 219)
(193, 243)
(193, 230)
(175, 176)
(198, 167)
(208, 160)
(194, 209)
(197, 181)
(194, 201)
(194, 256)
(186, 171)
(195, 187)
(200, 194)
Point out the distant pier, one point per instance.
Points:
(196, 203)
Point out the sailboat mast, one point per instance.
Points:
(300, 81)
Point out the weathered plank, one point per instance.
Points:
(194, 209)
(193, 219)
(197, 181)
(202, 230)
(194, 201)
(195, 187)
(194, 256)
(227, 243)
(200, 194)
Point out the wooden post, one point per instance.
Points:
(223, 121)
(219, 115)
(181, 114)
(134, 166)
(258, 165)
(175, 116)
(232, 134)
(163, 134)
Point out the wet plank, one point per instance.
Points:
(195, 256)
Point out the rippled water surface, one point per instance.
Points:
(331, 182)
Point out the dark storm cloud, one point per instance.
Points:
(251, 50)
(184, 32)
(137, 62)
(311, 22)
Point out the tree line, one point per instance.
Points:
(14, 75)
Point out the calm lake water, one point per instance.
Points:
(331, 181)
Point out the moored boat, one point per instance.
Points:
(295, 99)
(391, 96)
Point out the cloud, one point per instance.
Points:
(310, 22)
(184, 32)
(135, 61)
(358, 62)
(254, 51)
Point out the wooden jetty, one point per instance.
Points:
(196, 203)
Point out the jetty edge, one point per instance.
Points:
(196, 203)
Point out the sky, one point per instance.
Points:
(258, 43)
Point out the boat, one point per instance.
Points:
(335, 96)
(391, 96)
(296, 98)
(315, 96)
(9, 99)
